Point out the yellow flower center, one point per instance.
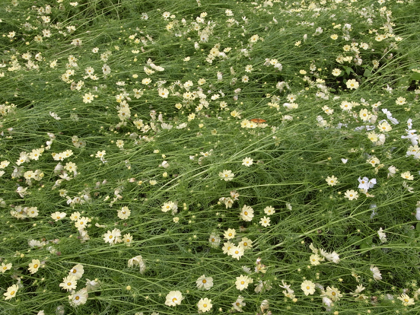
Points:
(204, 305)
(242, 282)
(69, 283)
(36, 266)
(12, 293)
(77, 298)
(204, 281)
(174, 300)
(110, 237)
(308, 287)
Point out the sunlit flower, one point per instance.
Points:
(407, 175)
(173, 298)
(265, 221)
(58, 215)
(352, 84)
(236, 252)
(384, 126)
(127, 239)
(79, 297)
(247, 213)
(331, 180)
(247, 161)
(246, 243)
(333, 293)
(336, 72)
(34, 266)
(315, 259)
(242, 282)
(77, 271)
(406, 300)
(88, 98)
(204, 283)
(226, 175)
(69, 283)
(4, 267)
(112, 237)
(204, 305)
(229, 234)
(269, 210)
(11, 292)
(308, 287)
(124, 213)
(351, 194)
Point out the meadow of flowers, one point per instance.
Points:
(193, 156)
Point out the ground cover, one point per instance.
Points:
(182, 157)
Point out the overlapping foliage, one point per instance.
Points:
(179, 157)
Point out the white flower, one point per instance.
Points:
(363, 183)
(79, 297)
(406, 300)
(214, 240)
(333, 293)
(124, 213)
(238, 304)
(58, 215)
(308, 287)
(407, 175)
(113, 237)
(69, 283)
(138, 260)
(376, 272)
(382, 235)
(77, 271)
(265, 221)
(351, 194)
(242, 282)
(236, 252)
(226, 175)
(11, 292)
(204, 305)
(173, 298)
(170, 206)
(229, 234)
(247, 161)
(334, 257)
(163, 92)
(352, 84)
(269, 210)
(204, 283)
(247, 213)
